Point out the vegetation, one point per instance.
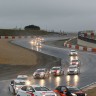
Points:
(32, 27)
(15, 32)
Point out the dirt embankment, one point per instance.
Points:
(16, 60)
(15, 55)
(10, 54)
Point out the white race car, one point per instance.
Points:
(57, 70)
(73, 53)
(35, 90)
(22, 77)
(41, 73)
(73, 69)
(75, 62)
(15, 85)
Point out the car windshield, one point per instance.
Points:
(56, 68)
(41, 89)
(73, 90)
(21, 78)
(74, 60)
(19, 83)
(72, 67)
(40, 70)
(73, 51)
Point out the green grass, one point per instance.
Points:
(14, 32)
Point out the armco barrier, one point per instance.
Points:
(87, 39)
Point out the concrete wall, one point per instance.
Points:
(84, 43)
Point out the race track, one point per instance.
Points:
(88, 68)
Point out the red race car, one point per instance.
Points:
(69, 91)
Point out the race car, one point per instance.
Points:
(75, 62)
(22, 77)
(73, 69)
(15, 85)
(73, 53)
(56, 71)
(73, 58)
(35, 90)
(68, 91)
(41, 73)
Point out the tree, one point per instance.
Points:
(32, 27)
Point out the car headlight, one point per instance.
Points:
(17, 88)
(56, 95)
(58, 71)
(77, 63)
(85, 94)
(75, 70)
(33, 74)
(73, 94)
(50, 71)
(27, 82)
(68, 70)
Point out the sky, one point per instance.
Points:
(64, 15)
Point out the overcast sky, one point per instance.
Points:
(67, 15)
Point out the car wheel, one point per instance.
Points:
(63, 73)
(14, 92)
(58, 94)
(44, 77)
(9, 89)
(18, 95)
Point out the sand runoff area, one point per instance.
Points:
(15, 55)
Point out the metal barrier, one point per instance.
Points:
(87, 39)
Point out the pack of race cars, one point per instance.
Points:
(21, 86)
(74, 64)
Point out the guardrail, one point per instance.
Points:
(87, 39)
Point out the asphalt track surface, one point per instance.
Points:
(88, 68)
